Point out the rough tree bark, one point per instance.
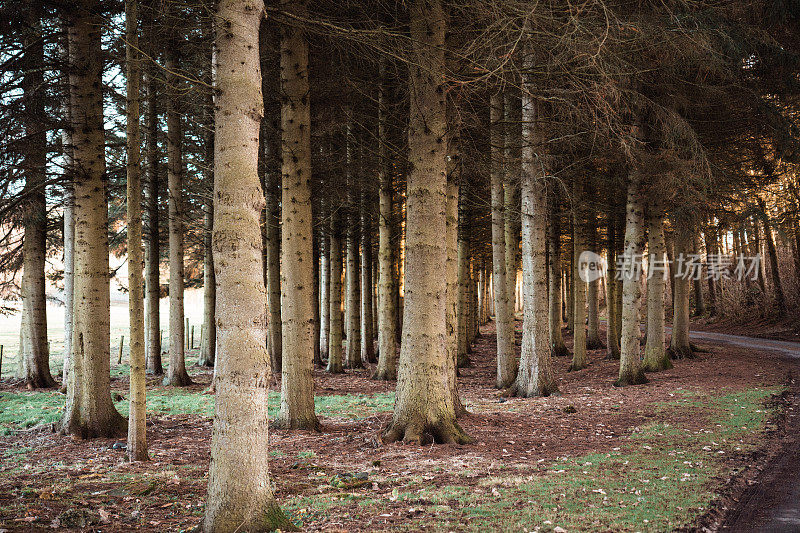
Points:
(272, 233)
(630, 371)
(451, 264)
(89, 411)
(579, 360)
(387, 285)
(176, 373)
(137, 434)
(335, 363)
(36, 354)
(324, 284)
(535, 376)
(504, 318)
(424, 406)
(240, 441)
(297, 253)
(655, 354)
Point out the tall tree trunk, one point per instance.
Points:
(152, 247)
(274, 334)
(511, 203)
(324, 284)
(240, 441)
(612, 287)
(297, 254)
(36, 360)
(579, 360)
(367, 341)
(176, 373)
(630, 371)
(464, 314)
(69, 227)
(335, 363)
(387, 285)
(137, 434)
(535, 376)
(593, 341)
(679, 347)
(89, 411)
(504, 319)
(451, 264)
(317, 361)
(655, 355)
(352, 355)
(209, 345)
(424, 404)
(557, 346)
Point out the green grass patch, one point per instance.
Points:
(662, 478)
(21, 410)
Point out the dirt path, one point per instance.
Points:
(771, 502)
(791, 349)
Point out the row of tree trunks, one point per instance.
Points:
(504, 318)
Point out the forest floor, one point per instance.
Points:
(673, 453)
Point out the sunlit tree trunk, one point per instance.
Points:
(176, 373)
(352, 320)
(504, 319)
(89, 411)
(36, 355)
(630, 371)
(712, 250)
(511, 203)
(655, 354)
(240, 495)
(137, 434)
(297, 253)
(424, 405)
(535, 376)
